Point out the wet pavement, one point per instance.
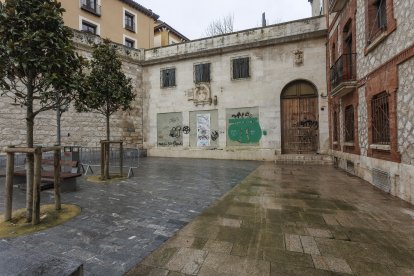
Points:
(123, 222)
(293, 220)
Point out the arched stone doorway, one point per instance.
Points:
(299, 118)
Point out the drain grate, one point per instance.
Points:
(382, 180)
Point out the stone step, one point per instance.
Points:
(304, 159)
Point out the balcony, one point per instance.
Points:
(91, 7)
(336, 5)
(343, 75)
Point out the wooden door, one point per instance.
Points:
(300, 122)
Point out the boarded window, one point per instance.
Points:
(168, 77)
(380, 119)
(202, 72)
(241, 68)
(349, 124)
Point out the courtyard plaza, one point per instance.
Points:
(216, 217)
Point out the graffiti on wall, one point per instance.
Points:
(245, 130)
(169, 129)
(203, 130)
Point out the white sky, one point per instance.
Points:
(191, 17)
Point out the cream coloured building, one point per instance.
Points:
(122, 21)
(165, 35)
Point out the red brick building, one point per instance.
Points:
(370, 73)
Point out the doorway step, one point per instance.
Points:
(303, 159)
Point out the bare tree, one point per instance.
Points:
(221, 26)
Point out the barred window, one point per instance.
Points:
(377, 18)
(349, 124)
(335, 127)
(168, 77)
(241, 68)
(202, 72)
(380, 119)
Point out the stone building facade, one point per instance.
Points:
(370, 67)
(83, 129)
(208, 112)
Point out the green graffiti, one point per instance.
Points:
(245, 130)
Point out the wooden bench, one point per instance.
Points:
(68, 176)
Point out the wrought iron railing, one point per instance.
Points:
(91, 6)
(343, 70)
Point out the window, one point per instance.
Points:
(88, 27)
(202, 72)
(129, 21)
(168, 77)
(129, 43)
(380, 119)
(335, 127)
(377, 18)
(349, 124)
(241, 68)
(91, 6)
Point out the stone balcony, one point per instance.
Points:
(336, 5)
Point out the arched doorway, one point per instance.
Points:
(299, 120)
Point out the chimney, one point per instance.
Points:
(264, 19)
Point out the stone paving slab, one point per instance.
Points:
(293, 220)
(123, 222)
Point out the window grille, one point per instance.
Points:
(380, 119)
(349, 124)
(377, 18)
(202, 72)
(241, 68)
(168, 77)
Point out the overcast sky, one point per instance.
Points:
(191, 17)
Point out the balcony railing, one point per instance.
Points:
(336, 5)
(91, 6)
(344, 70)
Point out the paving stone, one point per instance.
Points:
(332, 264)
(218, 246)
(293, 243)
(222, 264)
(187, 261)
(278, 269)
(309, 245)
(320, 233)
(123, 222)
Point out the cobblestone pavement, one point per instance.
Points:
(293, 220)
(123, 222)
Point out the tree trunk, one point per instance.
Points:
(107, 148)
(36, 185)
(57, 168)
(9, 187)
(29, 156)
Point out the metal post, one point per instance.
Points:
(9, 186)
(102, 159)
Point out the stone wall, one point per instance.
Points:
(273, 65)
(400, 39)
(363, 122)
(84, 129)
(405, 111)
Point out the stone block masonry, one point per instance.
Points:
(83, 129)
